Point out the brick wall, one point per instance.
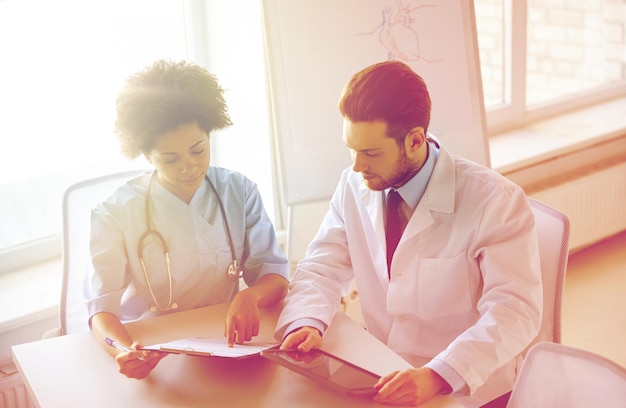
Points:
(572, 45)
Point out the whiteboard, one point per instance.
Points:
(314, 47)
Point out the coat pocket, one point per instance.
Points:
(443, 287)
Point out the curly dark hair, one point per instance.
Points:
(163, 97)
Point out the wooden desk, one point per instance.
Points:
(75, 371)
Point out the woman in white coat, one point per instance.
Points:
(180, 237)
(461, 296)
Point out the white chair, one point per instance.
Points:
(553, 235)
(78, 201)
(555, 375)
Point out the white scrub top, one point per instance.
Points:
(196, 238)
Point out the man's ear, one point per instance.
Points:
(415, 139)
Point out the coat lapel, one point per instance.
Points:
(438, 197)
(373, 202)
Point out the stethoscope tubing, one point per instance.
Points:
(233, 270)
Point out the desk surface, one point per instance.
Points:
(74, 370)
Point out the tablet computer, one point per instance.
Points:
(327, 369)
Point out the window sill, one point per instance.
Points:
(574, 163)
(30, 295)
(563, 144)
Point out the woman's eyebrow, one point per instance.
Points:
(196, 144)
(174, 153)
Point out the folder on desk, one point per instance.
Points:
(201, 346)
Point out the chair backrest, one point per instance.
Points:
(554, 375)
(78, 201)
(553, 235)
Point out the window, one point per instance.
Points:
(63, 62)
(539, 58)
(236, 55)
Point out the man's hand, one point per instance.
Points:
(412, 386)
(304, 339)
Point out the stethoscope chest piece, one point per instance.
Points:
(233, 270)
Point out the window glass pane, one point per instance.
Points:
(491, 40)
(237, 58)
(63, 62)
(574, 46)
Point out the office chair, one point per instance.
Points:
(555, 375)
(78, 201)
(553, 234)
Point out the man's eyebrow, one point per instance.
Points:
(372, 149)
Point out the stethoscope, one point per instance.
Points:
(234, 273)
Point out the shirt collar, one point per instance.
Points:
(413, 190)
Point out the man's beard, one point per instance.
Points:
(403, 172)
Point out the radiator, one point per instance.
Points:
(13, 392)
(594, 200)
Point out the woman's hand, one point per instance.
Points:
(243, 318)
(138, 363)
(135, 363)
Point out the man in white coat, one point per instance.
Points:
(461, 296)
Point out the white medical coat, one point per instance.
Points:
(465, 282)
(197, 242)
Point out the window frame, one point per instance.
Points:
(43, 249)
(514, 112)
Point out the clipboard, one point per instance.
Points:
(201, 346)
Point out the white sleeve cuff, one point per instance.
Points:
(305, 322)
(454, 380)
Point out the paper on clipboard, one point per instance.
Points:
(202, 346)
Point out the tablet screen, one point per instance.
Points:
(326, 368)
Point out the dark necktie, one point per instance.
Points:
(396, 222)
